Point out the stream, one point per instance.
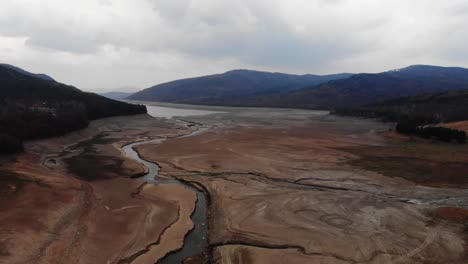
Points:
(195, 240)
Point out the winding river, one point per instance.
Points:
(195, 240)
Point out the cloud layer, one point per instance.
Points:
(106, 44)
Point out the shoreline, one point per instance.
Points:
(220, 107)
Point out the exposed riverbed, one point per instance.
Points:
(284, 186)
(195, 240)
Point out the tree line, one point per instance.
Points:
(432, 132)
(419, 116)
(19, 121)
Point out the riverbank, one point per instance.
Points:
(74, 200)
(194, 241)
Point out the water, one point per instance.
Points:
(169, 112)
(153, 168)
(195, 241)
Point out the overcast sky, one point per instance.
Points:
(129, 44)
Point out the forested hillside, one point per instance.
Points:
(413, 113)
(364, 89)
(233, 88)
(33, 107)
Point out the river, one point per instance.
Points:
(195, 241)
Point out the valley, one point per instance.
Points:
(233, 132)
(281, 186)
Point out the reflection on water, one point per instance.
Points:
(167, 112)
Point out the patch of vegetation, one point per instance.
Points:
(432, 132)
(414, 114)
(365, 89)
(10, 144)
(34, 108)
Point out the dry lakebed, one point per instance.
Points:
(235, 185)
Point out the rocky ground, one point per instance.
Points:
(283, 186)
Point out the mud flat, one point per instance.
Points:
(75, 199)
(194, 242)
(282, 186)
(298, 187)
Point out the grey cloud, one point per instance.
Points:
(173, 11)
(154, 40)
(50, 33)
(105, 2)
(62, 41)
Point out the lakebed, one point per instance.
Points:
(281, 186)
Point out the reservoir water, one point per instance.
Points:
(170, 112)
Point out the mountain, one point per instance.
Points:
(421, 115)
(116, 95)
(364, 89)
(16, 86)
(37, 75)
(422, 109)
(32, 107)
(238, 87)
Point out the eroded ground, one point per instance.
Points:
(69, 202)
(298, 188)
(284, 186)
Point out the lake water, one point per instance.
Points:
(168, 112)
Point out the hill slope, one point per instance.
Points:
(363, 89)
(38, 75)
(423, 109)
(238, 87)
(413, 114)
(31, 107)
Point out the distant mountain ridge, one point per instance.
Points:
(364, 89)
(116, 95)
(237, 87)
(264, 89)
(37, 75)
(425, 71)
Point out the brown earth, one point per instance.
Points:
(173, 236)
(250, 254)
(457, 215)
(69, 202)
(429, 164)
(461, 125)
(314, 192)
(284, 186)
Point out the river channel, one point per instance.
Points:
(195, 241)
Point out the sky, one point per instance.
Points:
(127, 45)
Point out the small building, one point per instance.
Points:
(43, 108)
